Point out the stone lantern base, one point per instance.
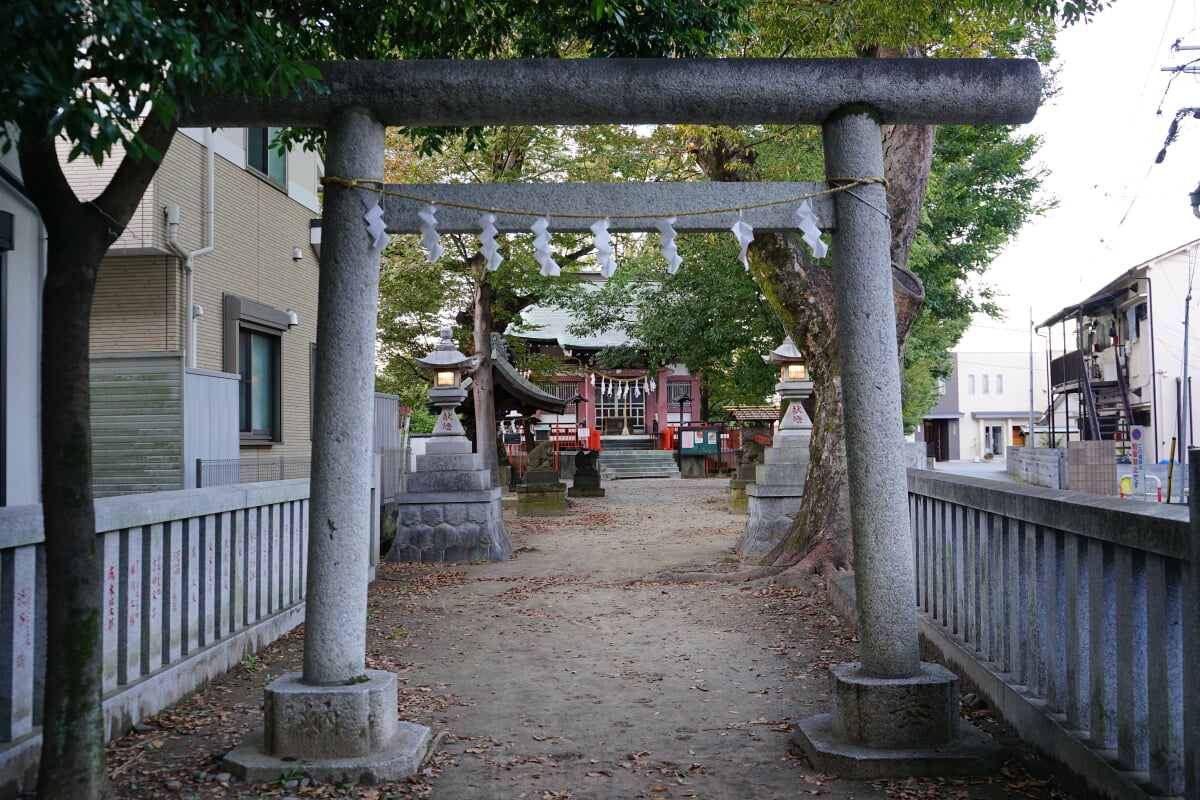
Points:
(451, 512)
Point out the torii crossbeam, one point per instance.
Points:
(889, 700)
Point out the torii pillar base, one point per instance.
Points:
(888, 727)
(334, 734)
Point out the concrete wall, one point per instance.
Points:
(1040, 466)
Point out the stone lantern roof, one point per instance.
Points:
(786, 353)
(445, 355)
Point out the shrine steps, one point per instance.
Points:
(615, 464)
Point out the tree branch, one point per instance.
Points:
(120, 198)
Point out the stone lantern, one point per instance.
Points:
(447, 365)
(794, 385)
(774, 496)
(450, 511)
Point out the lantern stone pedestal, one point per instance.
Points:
(739, 503)
(774, 498)
(542, 499)
(450, 512)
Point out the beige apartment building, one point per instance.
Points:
(204, 323)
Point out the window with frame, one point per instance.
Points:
(999, 384)
(262, 157)
(254, 350)
(563, 390)
(983, 384)
(970, 384)
(677, 390)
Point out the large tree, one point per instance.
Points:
(799, 287)
(982, 192)
(99, 74)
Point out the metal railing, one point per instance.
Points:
(1076, 603)
(228, 471)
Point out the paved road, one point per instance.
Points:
(994, 469)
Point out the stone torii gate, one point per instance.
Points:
(338, 718)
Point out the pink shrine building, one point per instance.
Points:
(631, 404)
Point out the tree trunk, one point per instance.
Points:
(801, 293)
(72, 760)
(72, 765)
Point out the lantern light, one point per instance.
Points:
(790, 361)
(447, 366)
(446, 363)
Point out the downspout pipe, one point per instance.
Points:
(189, 256)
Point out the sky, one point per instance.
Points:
(1116, 207)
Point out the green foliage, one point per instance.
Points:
(982, 189)
(91, 70)
(937, 28)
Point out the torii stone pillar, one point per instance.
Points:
(337, 720)
(892, 714)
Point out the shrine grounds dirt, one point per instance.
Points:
(560, 675)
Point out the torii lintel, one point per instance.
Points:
(594, 91)
(699, 207)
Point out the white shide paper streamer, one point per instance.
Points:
(666, 244)
(744, 233)
(487, 241)
(806, 220)
(376, 228)
(541, 247)
(604, 251)
(429, 234)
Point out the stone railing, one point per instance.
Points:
(194, 581)
(1071, 613)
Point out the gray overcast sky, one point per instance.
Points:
(1101, 134)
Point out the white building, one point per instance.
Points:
(22, 269)
(1119, 354)
(985, 406)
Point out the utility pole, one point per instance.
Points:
(1032, 439)
(1183, 411)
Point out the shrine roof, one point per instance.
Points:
(753, 413)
